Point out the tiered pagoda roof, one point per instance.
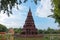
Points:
(29, 26)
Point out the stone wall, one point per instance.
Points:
(6, 36)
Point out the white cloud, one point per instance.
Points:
(43, 10)
(3, 16)
(16, 20)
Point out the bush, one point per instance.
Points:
(3, 28)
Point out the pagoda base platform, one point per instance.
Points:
(30, 36)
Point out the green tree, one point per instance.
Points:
(3, 28)
(49, 31)
(56, 10)
(4, 4)
(17, 30)
(40, 31)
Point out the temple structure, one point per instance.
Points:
(29, 26)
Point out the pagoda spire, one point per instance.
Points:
(29, 13)
(29, 9)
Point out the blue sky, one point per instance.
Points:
(39, 12)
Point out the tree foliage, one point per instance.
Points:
(40, 31)
(49, 31)
(17, 30)
(56, 10)
(5, 3)
(3, 28)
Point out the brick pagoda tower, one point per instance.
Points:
(29, 26)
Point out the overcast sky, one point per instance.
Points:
(39, 12)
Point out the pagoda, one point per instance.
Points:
(29, 26)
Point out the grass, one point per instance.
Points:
(46, 37)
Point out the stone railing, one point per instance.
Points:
(52, 36)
